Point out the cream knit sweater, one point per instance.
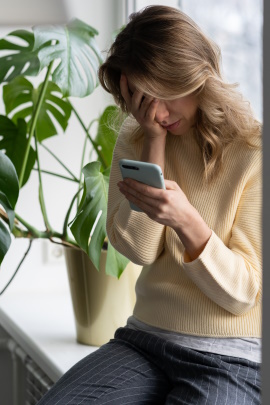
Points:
(218, 294)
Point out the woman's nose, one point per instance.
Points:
(162, 113)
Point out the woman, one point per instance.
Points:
(194, 337)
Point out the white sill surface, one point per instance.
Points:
(39, 317)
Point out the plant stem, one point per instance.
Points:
(41, 193)
(16, 231)
(89, 137)
(64, 241)
(34, 122)
(57, 175)
(34, 232)
(83, 155)
(61, 163)
(91, 123)
(68, 213)
(18, 267)
(69, 243)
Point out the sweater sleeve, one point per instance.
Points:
(131, 233)
(231, 275)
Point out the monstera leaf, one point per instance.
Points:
(23, 61)
(20, 98)
(75, 46)
(94, 200)
(14, 141)
(5, 241)
(91, 217)
(108, 127)
(115, 262)
(9, 191)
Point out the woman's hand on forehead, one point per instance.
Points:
(142, 107)
(128, 91)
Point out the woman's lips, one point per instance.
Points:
(172, 126)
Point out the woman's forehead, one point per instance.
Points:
(159, 92)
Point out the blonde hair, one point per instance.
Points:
(167, 56)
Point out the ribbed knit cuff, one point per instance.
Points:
(186, 258)
(223, 276)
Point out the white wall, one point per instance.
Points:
(104, 15)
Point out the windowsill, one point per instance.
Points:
(40, 319)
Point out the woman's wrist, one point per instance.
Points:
(194, 233)
(154, 150)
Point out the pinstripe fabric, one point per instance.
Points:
(246, 348)
(139, 368)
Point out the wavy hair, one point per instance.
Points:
(167, 56)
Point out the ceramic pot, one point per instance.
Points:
(101, 303)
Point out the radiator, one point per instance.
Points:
(37, 382)
(29, 382)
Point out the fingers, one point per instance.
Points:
(133, 100)
(151, 112)
(125, 91)
(145, 202)
(137, 188)
(140, 106)
(147, 205)
(139, 101)
(171, 185)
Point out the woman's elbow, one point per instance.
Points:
(129, 250)
(242, 308)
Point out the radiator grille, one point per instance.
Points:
(37, 382)
(22, 381)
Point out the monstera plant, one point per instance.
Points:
(65, 59)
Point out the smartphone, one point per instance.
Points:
(147, 173)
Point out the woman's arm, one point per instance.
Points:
(132, 233)
(170, 207)
(230, 276)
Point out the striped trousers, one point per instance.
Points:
(140, 368)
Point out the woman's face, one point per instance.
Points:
(177, 115)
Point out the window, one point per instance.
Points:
(236, 26)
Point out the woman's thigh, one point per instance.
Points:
(114, 374)
(197, 377)
(212, 379)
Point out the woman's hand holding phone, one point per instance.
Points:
(168, 207)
